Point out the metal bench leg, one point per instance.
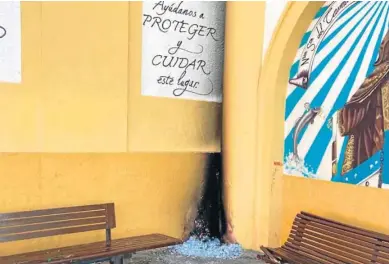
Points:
(117, 260)
(127, 258)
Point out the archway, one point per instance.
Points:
(281, 197)
(270, 120)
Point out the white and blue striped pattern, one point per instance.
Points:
(343, 60)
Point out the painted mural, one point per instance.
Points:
(337, 109)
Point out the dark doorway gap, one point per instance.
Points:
(210, 221)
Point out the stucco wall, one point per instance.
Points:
(76, 130)
(284, 196)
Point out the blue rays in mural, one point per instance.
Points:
(343, 59)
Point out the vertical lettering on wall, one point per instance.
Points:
(183, 49)
(10, 42)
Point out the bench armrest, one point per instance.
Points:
(269, 255)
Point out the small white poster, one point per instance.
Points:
(10, 42)
(183, 49)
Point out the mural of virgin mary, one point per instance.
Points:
(366, 115)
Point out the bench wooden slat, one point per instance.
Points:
(357, 239)
(331, 251)
(334, 229)
(311, 256)
(326, 255)
(75, 253)
(52, 222)
(334, 241)
(294, 257)
(359, 230)
(339, 238)
(345, 227)
(117, 243)
(55, 211)
(93, 250)
(53, 232)
(373, 246)
(341, 253)
(383, 260)
(51, 225)
(50, 218)
(302, 237)
(357, 248)
(317, 239)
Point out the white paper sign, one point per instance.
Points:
(183, 49)
(10, 42)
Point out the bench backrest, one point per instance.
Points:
(328, 241)
(58, 221)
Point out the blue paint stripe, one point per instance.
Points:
(294, 69)
(378, 44)
(365, 169)
(305, 38)
(293, 98)
(319, 98)
(352, 7)
(297, 94)
(321, 12)
(385, 176)
(295, 66)
(323, 93)
(334, 33)
(316, 152)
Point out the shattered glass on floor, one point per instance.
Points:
(169, 256)
(196, 251)
(208, 248)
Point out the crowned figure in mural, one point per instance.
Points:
(366, 115)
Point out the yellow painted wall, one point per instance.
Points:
(80, 90)
(151, 192)
(73, 131)
(81, 93)
(74, 80)
(281, 197)
(356, 205)
(242, 67)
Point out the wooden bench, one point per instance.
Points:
(317, 240)
(61, 221)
